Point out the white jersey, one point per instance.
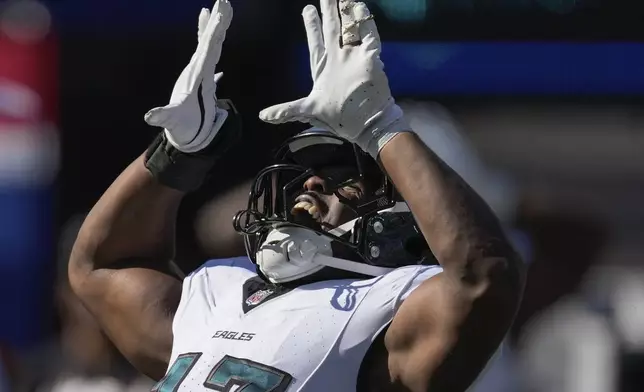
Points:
(312, 338)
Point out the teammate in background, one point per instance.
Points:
(339, 290)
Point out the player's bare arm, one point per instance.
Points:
(121, 262)
(447, 330)
(475, 299)
(216, 237)
(120, 267)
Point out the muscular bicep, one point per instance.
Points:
(445, 333)
(134, 301)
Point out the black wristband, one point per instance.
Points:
(187, 172)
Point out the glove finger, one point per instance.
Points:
(371, 43)
(218, 77)
(368, 29)
(314, 36)
(205, 60)
(332, 24)
(285, 112)
(350, 23)
(204, 17)
(159, 117)
(215, 34)
(220, 18)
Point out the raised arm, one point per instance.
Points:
(121, 265)
(452, 324)
(448, 328)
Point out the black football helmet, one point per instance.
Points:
(384, 236)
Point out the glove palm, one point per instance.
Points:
(350, 94)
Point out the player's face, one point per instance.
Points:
(319, 205)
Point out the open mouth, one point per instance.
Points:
(309, 204)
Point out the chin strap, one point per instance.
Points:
(347, 265)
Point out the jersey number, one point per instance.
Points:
(229, 375)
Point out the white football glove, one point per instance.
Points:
(192, 119)
(350, 94)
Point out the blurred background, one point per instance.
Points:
(540, 108)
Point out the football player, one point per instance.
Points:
(370, 266)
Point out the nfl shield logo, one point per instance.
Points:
(258, 297)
